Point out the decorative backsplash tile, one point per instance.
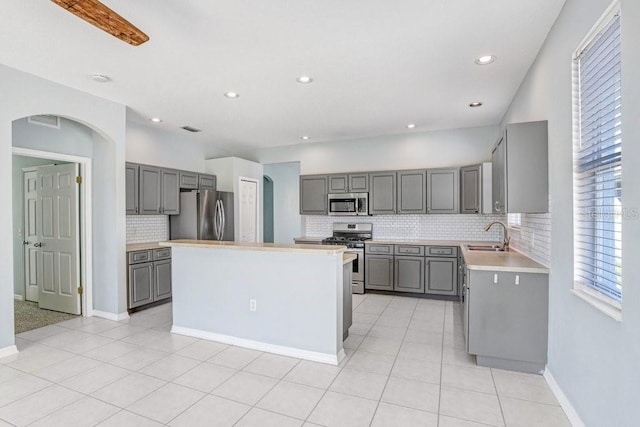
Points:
(534, 237)
(147, 228)
(415, 227)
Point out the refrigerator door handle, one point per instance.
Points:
(215, 221)
(224, 220)
(220, 220)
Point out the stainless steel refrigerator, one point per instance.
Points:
(204, 215)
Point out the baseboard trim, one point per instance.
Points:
(8, 351)
(18, 297)
(262, 346)
(110, 316)
(568, 408)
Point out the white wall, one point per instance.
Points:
(287, 222)
(444, 148)
(154, 146)
(594, 358)
(25, 95)
(228, 171)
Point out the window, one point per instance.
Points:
(597, 165)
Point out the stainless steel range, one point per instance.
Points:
(353, 236)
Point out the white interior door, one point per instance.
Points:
(30, 235)
(58, 266)
(248, 210)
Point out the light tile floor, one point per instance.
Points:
(405, 366)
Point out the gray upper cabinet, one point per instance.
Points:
(338, 183)
(412, 189)
(207, 182)
(471, 189)
(443, 191)
(382, 194)
(131, 174)
(150, 190)
(170, 192)
(188, 180)
(313, 195)
(358, 182)
(520, 169)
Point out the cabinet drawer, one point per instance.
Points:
(163, 253)
(379, 249)
(447, 251)
(409, 250)
(139, 256)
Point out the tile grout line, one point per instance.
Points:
(444, 325)
(504, 421)
(395, 359)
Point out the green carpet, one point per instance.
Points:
(28, 316)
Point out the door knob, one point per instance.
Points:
(26, 243)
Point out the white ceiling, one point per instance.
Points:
(377, 64)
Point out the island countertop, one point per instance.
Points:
(252, 246)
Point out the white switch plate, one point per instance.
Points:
(252, 305)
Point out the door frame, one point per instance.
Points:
(85, 217)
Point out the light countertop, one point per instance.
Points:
(142, 246)
(348, 257)
(246, 246)
(309, 239)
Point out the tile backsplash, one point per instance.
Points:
(415, 227)
(147, 228)
(534, 237)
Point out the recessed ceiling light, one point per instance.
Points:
(411, 126)
(231, 95)
(100, 78)
(305, 137)
(304, 79)
(156, 119)
(475, 104)
(485, 60)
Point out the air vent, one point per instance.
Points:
(45, 120)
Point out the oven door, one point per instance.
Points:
(357, 278)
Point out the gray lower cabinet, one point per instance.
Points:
(379, 272)
(140, 284)
(441, 276)
(131, 187)
(471, 189)
(313, 195)
(382, 193)
(520, 169)
(338, 183)
(347, 299)
(412, 192)
(506, 315)
(149, 276)
(409, 274)
(443, 191)
(162, 280)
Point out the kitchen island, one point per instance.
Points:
(284, 299)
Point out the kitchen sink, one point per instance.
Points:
(486, 248)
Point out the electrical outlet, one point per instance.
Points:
(252, 305)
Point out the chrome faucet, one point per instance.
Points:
(506, 238)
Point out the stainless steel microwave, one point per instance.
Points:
(348, 204)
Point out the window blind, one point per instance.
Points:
(598, 165)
